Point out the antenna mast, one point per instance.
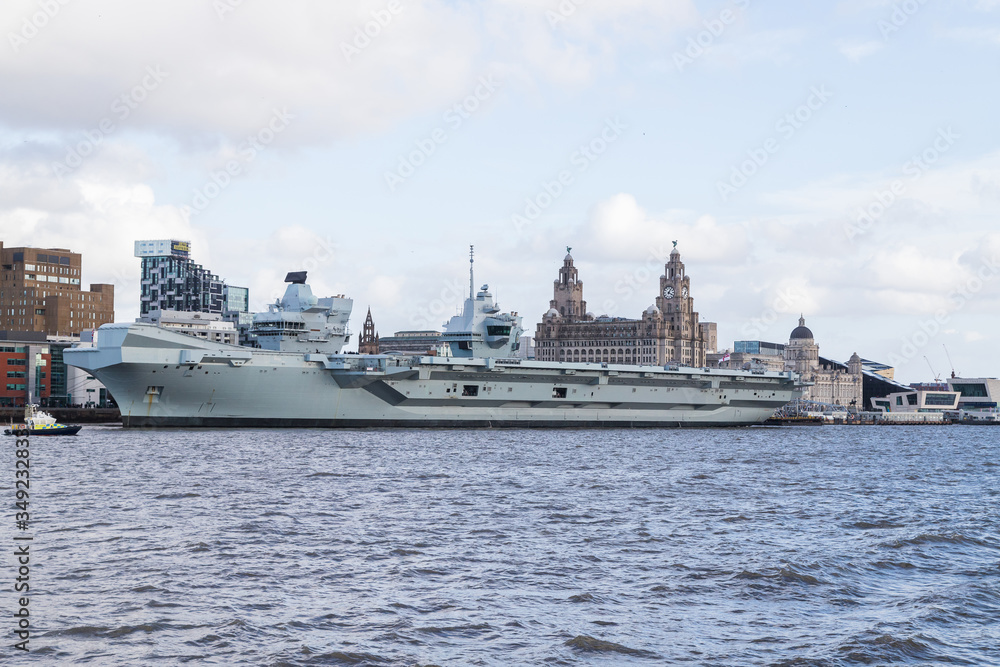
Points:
(472, 282)
(950, 363)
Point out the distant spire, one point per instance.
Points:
(472, 281)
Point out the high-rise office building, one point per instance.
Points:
(40, 291)
(171, 280)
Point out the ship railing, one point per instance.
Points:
(354, 364)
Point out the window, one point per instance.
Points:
(559, 392)
(470, 390)
(939, 399)
(971, 390)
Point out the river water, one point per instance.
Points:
(760, 546)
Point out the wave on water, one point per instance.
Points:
(941, 538)
(588, 644)
(879, 649)
(334, 658)
(473, 629)
(785, 573)
(103, 631)
(874, 525)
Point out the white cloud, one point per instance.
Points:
(223, 77)
(620, 229)
(100, 218)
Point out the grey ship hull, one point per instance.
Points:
(165, 379)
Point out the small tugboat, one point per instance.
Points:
(38, 422)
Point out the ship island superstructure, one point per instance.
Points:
(301, 378)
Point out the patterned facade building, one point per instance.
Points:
(171, 280)
(40, 291)
(668, 332)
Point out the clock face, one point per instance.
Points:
(684, 292)
(668, 292)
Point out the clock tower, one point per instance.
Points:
(667, 332)
(682, 340)
(567, 292)
(675, 286)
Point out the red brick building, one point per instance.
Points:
(40, 290)
(26, 369)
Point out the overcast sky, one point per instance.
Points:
(838, 159)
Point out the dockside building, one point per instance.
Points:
(668, 331)
(171, 280)
(40, 291)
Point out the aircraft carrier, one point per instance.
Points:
(300, 378)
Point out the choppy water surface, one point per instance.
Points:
(770, 546)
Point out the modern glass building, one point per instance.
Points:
(171, 280)
(759, 347)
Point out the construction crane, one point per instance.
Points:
(949, 360)
(937, 378)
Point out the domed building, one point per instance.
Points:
(824, 380)
(668, 331)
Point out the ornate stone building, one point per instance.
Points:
(667, 332)
(368, 343)
(827, 381)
